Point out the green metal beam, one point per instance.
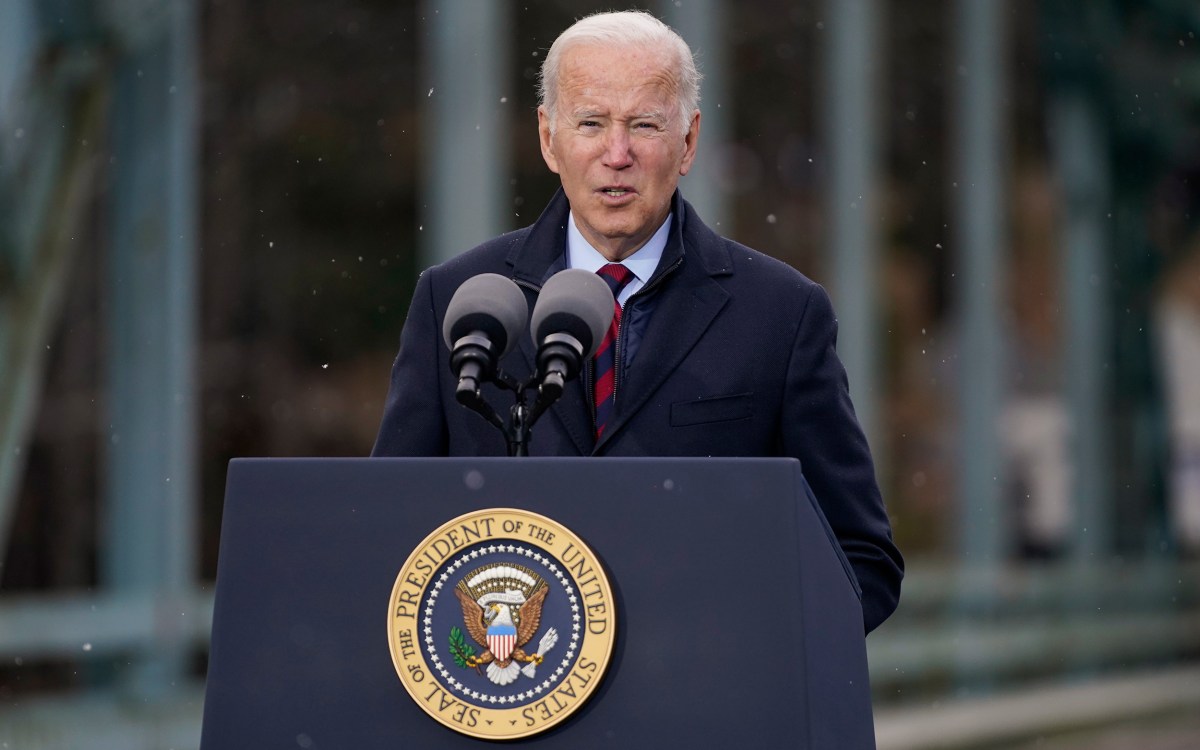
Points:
(467, 107)
(1080, 151)
(852, 74)
(151, 494)
(978, 199)
(45, 183)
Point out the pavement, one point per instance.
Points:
(1171, 732)
(1147, 711)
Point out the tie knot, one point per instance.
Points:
(617, 276)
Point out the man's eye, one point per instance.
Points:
(589, 124)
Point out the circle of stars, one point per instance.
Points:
(436, 658)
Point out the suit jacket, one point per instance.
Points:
(736, 358)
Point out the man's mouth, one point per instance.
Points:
(616, 192)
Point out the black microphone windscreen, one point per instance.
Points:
(577, 302)
(490, 303)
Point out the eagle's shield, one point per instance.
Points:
(501, 639)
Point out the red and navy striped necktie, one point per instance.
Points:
(617, 276)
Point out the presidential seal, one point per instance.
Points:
(501, 624)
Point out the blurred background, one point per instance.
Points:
(212, 214)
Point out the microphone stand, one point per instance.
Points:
(522, 415)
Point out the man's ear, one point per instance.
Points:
(546, 140)
(689, 144)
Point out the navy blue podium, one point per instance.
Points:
(738, 621)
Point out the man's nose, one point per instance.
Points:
(617, 149)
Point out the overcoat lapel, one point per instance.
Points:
(689, 301)
(678, 322)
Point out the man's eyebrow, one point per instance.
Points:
(592, 113)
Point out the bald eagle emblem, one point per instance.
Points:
(502, 609)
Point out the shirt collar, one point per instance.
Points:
(580, 253)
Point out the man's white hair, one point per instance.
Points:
(630, 28)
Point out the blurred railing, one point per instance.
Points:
(991, 630)
(46, 627)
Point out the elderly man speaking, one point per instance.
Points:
(719, 350)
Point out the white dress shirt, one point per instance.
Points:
(581, 254)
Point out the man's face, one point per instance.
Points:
(617, 143)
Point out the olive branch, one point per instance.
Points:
(460, 649)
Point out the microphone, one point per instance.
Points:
(483, 320)
(569, 321)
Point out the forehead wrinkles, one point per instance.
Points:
(629, 75)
